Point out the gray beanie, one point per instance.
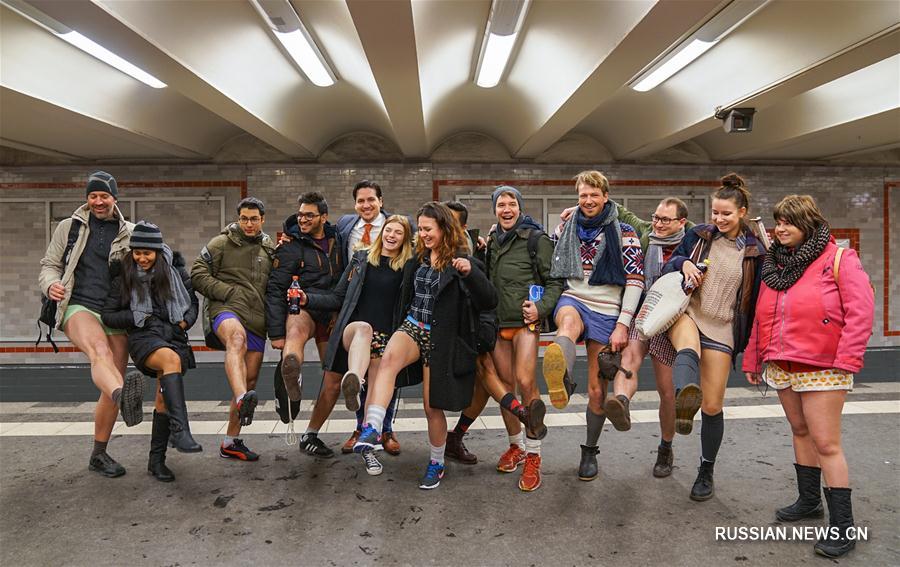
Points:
(506, 189)
(102, 181)
(146, 236)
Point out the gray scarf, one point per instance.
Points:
(176, 306)
(653, 263)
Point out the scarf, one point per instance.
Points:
(609, 269)
(783, 266)
(524, 221)
(176, 306)
(653, 263)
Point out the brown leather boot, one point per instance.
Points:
(347, 448)
(456, 449)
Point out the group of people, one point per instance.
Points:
(393, 301)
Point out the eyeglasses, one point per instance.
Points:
(250, 220)
(308, 216)
(662, 220)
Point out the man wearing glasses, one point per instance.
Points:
(232, 272)
(314, 254)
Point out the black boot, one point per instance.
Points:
(172, 388)
(840, 516)
(665, 456)
(587, 470)
(158, 440)
(809, 503)
(703, 488)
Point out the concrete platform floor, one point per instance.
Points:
(290, 508)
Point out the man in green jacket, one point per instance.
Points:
(232, 272)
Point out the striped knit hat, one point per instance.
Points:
(146, 236)
(102, 181)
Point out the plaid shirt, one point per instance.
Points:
(426, 283)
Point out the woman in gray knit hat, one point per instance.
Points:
(152, 298)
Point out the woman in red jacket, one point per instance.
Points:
(811, 328)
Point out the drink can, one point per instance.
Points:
(535, 292)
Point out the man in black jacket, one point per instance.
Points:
(314, 255)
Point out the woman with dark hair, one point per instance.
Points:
(447, 291)
(367, 297)
(716, 326)
(151, 297)
(813, 321)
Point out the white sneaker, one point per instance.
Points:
(373, 465)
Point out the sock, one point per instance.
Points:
(375, 416)
(532, 445)
(518, 439)
(569, 353)
(594, 427)
(509, 402)
(686, 369)
(711, 430)
(463, 424)
(361, 412)
(237, 399)
(665, 444)
(116, 395)
(437, 453)
(228, 441)
(99, 447)
(311, 431)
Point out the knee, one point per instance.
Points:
(251, 382)
(713, 407)
(827, 447)
(333, 384)
(567, 324)
(237, 342)
(596, 393)
(799, 428)
(99, 350)
(666, 396)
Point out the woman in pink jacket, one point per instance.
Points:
(811, 328)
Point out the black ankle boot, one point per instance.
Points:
(158, 440)
(172, 388)
(840, 516)
(587, 470)
(703, 488)
(809, 502)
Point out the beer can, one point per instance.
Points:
(535, 292)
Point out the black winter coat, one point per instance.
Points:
(452, 378)
(345, 297)
(318, 270)
(157, 331)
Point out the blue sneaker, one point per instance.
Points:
(433, 475)
(368, 439)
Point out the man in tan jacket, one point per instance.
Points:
(77, 278)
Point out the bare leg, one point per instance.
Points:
(437, 420)
(357, 341)
(401, 351)
(804, 449)
(501, 357)
(822, 411)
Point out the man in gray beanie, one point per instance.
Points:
(75, 274)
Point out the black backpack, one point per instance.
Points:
(48, 306)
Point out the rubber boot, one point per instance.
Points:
(172, 388)
(587, 469)
(809, 501)
(840, 516)
(159, 438)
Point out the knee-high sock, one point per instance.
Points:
(390, 411)
(594, 427)
(568, 349)
(711, 430)
(686, 369)
(361, 412)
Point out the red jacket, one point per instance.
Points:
(817, 321)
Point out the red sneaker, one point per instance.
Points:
(531, 474)
(509, 461)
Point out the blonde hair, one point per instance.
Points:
(593, 179)
(406, 249)
(802, 212)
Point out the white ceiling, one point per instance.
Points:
(824, 77)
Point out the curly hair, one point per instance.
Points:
(453, 239)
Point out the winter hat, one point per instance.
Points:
(102, 181)
(146, 236)
(506, 189)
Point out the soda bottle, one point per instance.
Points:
(535, 293)
(293, 296)
(687, 286)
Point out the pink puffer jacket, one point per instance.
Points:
(817, 321)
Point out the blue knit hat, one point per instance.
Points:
(506, 189)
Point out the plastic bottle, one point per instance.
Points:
(293, 296)
(687, 286)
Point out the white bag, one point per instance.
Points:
(663, 305)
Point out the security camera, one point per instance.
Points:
(736, 120)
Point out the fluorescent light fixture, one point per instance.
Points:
(289, 30)
(89, 46)
(500, 36)
(698, 43)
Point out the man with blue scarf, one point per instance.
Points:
(601, 260)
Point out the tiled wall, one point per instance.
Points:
(851, 197)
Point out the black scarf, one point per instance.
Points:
(609, 268)
(783, 266)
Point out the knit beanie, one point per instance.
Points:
(506, 189)
(146, 236)
(102, 181)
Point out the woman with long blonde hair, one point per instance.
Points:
(442, 297)
(368, 298)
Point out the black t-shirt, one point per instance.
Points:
(92, 271)
(379, 296)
